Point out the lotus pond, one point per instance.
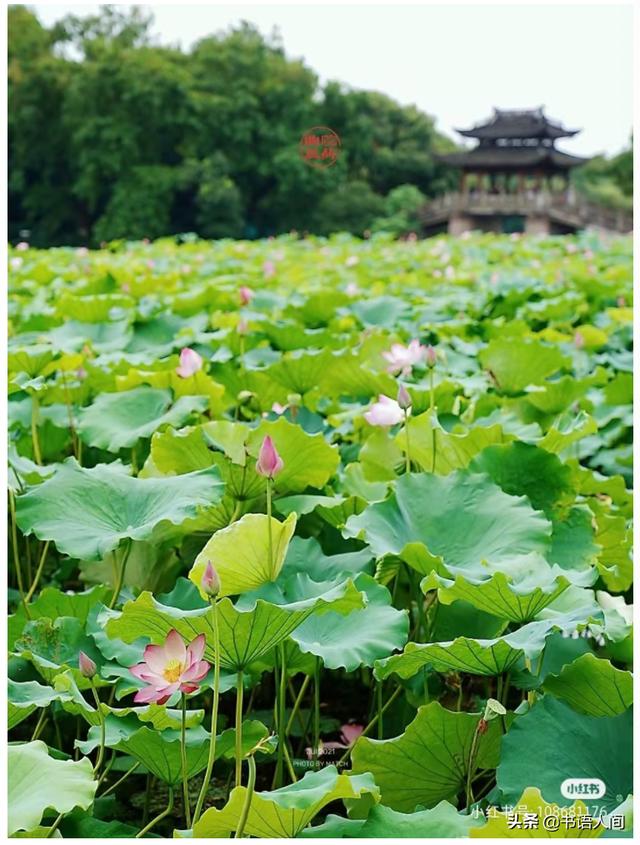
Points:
(321, 538)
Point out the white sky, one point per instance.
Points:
(454, 62)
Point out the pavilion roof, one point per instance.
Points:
(513, 158)
(518, 123)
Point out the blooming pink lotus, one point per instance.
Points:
(269, 461)
(246, 295)
(190, 363)
(403, 358)
(385, 411)
(170, 668)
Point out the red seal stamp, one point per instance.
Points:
(320, 147)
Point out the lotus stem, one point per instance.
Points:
(120, 575)
(183, 760)
(96, 698)
(471, 765)
(379, 704)
(251, 782)
(296, 705)
(16, 554)
(316, 714)
(120, 780)
(282, 730)
(54, 826)
(159, 817)
(42, 718)
(269, 532)
(36, 578)
(35, 414)
(406, 434)
(239, 694)
(214, 713)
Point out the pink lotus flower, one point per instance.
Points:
(210, 581)
(246, 295)
(385, 411)
(431, 355)
(190, 363)
(578, 339)
(15, 262)
(22, 246)
(86, 665)
(82, 251)
(277, 408)
(170, 668)
(348, 734)
(402, 358)
(268, 269)
(269, 461)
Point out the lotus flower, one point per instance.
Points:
(22, 246)
(246, 295)
(190, 363)
(402, 358)
(431, 356)
(269, 461)
(385, 411)
(170, 668)
(268, 269)
(86, 665)
(210, 581)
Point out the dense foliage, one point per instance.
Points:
(382, 493)
(112, 136)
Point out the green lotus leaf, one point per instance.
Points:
(24, 697)
(516, 363)
(178, 452)
(428, 762)
(552, 742)
(299, 371)
(158, 751)
(475, 657)
(88, 512)
(53, 603)
(531, 805)
(284, 813)
(518, 599)
(380, 456)
(453, 450)
(359, 638)
(347, 374)
(441, 822)
(305, 555)
(199, 384)
(118, 420)
(614, 562)
(566, 431)
(240, 553)
(107, 336)
(592, 686)
(149, 567)
(79, 825)
(37, 783)
(53, 646)
(245, 634)
(521, 469)
(486, 528)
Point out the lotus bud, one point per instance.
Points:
(86, 665)
(493, 709)
(404, 399)
(246, 295)
(431, 356)
(269, 461)
(190, 363)
(210, 581)
(243, 328)
(579, 340)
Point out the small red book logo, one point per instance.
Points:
(320, 147)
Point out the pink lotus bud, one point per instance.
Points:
(125, 287)
(269, 461)
(86, 665)
(431, 356)
(246, 295)
(403, 398)
(210, 581)
(621, 302)
(243, 328)
(578, 339)
(81, 373)
(190, 363)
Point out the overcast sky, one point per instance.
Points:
(454, 62)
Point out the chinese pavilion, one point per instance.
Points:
(515, 180)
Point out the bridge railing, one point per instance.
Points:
(567, 207)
